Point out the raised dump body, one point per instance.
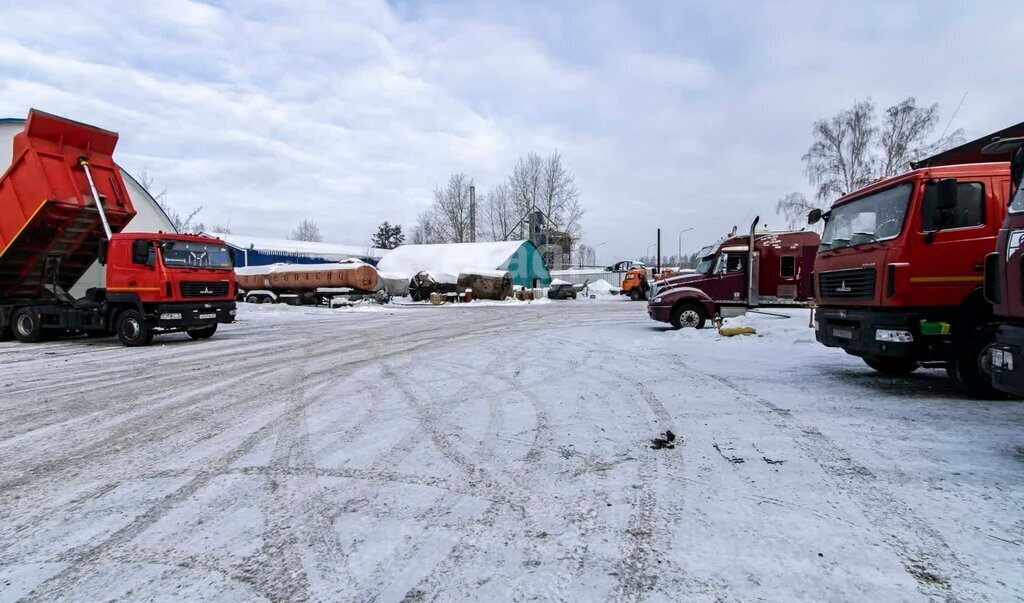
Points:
(46, 207)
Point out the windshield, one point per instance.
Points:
(189, 254)
(874, 218)
(1017, 205)
(706, 259)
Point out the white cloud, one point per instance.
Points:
(671, 115)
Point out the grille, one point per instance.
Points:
(199, 289)
(858, 283)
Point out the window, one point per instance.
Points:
(143, 253)
(876, 217)
(787, 268)
(729, 262)
(969, 210)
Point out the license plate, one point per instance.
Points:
(206, 316)
(842, 333)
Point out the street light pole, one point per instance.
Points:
(679, 256)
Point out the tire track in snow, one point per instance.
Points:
(64, 581)
(926, 556)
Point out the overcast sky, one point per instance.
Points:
(674, 114)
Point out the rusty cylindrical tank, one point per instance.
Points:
(360, 277)
(493, 285)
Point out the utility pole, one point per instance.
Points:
(657, 269)
(472, 214)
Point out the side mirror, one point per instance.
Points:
(814, 216)
(104, 246)
(946, 194)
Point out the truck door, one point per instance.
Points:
(130, 269)
(730, 282)
(953, 243)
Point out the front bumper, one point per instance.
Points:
(855, 331)
(660, 313)
(1007, 355)
(179, 317)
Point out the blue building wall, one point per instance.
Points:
(265, 258)
(527, 267)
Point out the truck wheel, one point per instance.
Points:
(971, 369)
(203, 333)
(26, 326)
(892, 366)
(689, 315)
(133, 330)
(636, 295)
(254, 299)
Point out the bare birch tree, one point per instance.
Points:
(447, 219)
(182, 222)
(902, 137)
(850, 150)
(525, 185)
(307, 230)
(559, 197)
(499, 214)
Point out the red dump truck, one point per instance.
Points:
(759, 269)
(63, 206)
(900, 269)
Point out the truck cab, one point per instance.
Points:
(738, 273)
(899, 270)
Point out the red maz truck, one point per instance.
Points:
(1004, 281)
(760, 269)
(900, 269)
(63, 205)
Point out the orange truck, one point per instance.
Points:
(63, 206)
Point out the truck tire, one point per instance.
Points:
(26, 326)
(688, 315)
(892, 366)
(133, 330)
(203, 333)
(970, 370)
(254, 299)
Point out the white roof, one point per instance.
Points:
(449, 258)
(306, 248)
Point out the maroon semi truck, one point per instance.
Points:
(759, 269)
(1004, 281)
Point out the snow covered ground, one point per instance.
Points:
(498, 452)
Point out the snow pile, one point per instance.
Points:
(449, 259)
(558, 282)
(601, 288)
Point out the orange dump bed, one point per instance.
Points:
(47, 208)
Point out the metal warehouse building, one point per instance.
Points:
(258, 251)
(149, 217)
(521, 258)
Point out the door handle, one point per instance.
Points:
(979, 267)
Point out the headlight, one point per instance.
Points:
(656, 300)
(1002, 359)
(893, 336)
(170, 316)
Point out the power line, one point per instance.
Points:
(951, 117)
